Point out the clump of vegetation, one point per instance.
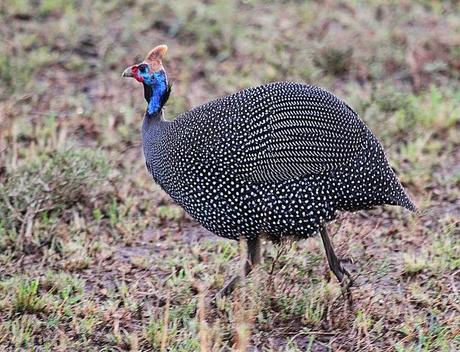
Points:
(47, 188)
(333, 60)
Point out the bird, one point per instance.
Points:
(276, 161)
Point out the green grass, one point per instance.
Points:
(94, 256)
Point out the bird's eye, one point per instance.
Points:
(142, 68)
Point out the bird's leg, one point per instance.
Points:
(252, 259)
(334, 263)
(254, 253)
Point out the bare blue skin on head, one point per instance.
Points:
(158, 83)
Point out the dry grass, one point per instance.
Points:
(93, 256)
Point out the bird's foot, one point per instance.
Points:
(347, 261)
(346, 266)
(228, 288)
(346, 281)
(339, 268)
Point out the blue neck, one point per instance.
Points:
(158, 85)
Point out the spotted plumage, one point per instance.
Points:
(275, 160)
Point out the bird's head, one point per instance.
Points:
(152, 75)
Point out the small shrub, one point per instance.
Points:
(27, 298)
(49, 187)
(335, 61)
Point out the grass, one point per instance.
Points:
(95, 257)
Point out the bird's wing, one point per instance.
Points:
(302, 130)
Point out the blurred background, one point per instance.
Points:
(93, 256)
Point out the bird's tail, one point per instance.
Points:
(399, 196)
(389, 189)
(375, 185)
(404, 200)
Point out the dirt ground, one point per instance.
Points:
(95, 257)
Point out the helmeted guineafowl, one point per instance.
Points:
(275, 160)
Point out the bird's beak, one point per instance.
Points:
(128, 72)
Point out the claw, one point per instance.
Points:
(228, 288)
(347, 260)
